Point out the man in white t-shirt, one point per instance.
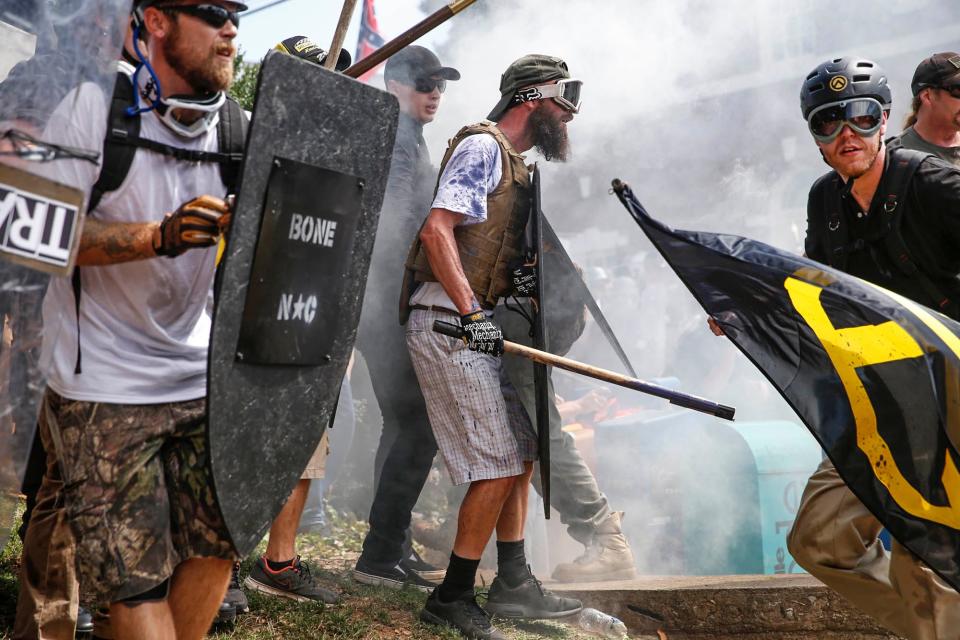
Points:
(125, 348)
(457, 269)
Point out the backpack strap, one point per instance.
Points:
(117, 157)
(232, 137)
(835, 233)
(903, 166)
(115, 164)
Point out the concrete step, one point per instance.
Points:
(779, 607)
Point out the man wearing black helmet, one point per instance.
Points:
(892, 217)
(125, 343)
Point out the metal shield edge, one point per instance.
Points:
(541, 340)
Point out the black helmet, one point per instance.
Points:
(843, 79)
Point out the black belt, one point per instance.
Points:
(435, 308)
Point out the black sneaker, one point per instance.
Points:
(293, 581)
(226, 616)
(529, 600)
(235, 594)
(464, 615)
(415, 564)
(391, 577)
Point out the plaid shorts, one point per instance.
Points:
(480, 426)
(137, 490)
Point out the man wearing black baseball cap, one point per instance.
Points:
(407, 447)
(933, 125)
(458, 268)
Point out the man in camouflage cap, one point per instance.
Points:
(458, 269)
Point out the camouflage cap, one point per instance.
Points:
(529, 70)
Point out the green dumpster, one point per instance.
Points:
(704, 496)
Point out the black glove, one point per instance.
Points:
(482, 334)
(524, 277)
(197, 223)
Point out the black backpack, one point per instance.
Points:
(121, 144)
(903, 165)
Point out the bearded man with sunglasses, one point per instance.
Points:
(123, 416)
(892, 217)
(933, 124)
(458, 268)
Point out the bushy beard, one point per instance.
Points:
(550, 135)
(206, 74)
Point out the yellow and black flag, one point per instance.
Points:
(873, 375)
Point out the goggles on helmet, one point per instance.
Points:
(565, 92)
(863, 115)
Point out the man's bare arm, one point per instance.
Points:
(444, 258)
(104, 243)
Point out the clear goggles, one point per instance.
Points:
(566, 93)
(863, 115)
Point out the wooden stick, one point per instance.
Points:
(426, 25)
(674, 397)
(338, 36)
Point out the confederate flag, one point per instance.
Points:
(369, 39)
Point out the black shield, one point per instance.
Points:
(541, 340)
(292, 281)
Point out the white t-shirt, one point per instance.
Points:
(144, 325)
(471, 174)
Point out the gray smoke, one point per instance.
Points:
(695, 104)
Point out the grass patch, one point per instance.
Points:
(364, 613)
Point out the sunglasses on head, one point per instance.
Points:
(427, 85)
(863, 115)
(213, 14)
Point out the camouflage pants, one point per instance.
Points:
(137, 490)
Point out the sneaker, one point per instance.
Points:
(417, 565)
(226, 616)
(235, 594)
(390, 577)
(464, 615)
(529, 600)
(293, 581)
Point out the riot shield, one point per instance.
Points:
(50, 53)
(292, 281)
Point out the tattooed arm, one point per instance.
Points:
(104, 243)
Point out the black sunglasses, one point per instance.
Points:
(427, 85)
(953, 90)
(214, 15)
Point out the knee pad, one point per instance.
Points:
(158, 593)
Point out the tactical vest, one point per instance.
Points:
(831, 224)
(486, 249)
